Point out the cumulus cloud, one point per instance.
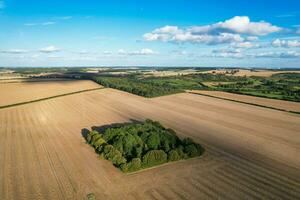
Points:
(49, 49)
(239, 25)
(286, 43)
(219, 33)
(14, 51)
(140, 52)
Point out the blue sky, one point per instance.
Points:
(256, 33)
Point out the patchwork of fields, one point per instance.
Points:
(252, 152)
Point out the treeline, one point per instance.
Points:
(132, 147)
(135, 86)
(158, 86)
(284, 86)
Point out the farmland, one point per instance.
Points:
(264, 102)
(251, 152)
(283, 86)
(30, 91)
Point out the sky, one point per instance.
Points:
(214, 33)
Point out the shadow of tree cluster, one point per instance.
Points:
(103, 128)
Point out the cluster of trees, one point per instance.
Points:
(158, 86)
(132, 147)
(281, 86)
(137, 86)
(285, 86)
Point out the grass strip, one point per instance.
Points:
(47, 98)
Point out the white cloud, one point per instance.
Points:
(140, 52)
(48, 23)
(286, 43)
(239, 25)
(288, 54)
(252, 38)
(227, 53)
(14, 51)
(168, 29)
(245, 45)
(180, 52)
(107, 52)
(219, 33)
(49, 49)
(146, 52)
(40, 24)
(121, 51)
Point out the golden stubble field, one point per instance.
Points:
(12, 93)
(252, 152)
(272, 103)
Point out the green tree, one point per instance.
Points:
(112, 154)
(173, 156)
(154, 157)
(134, 164)
(90, 135)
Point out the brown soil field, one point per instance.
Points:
(251, 152)
(12, 93)
(274, 103)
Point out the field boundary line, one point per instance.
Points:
(51, 97)
(243, 102)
